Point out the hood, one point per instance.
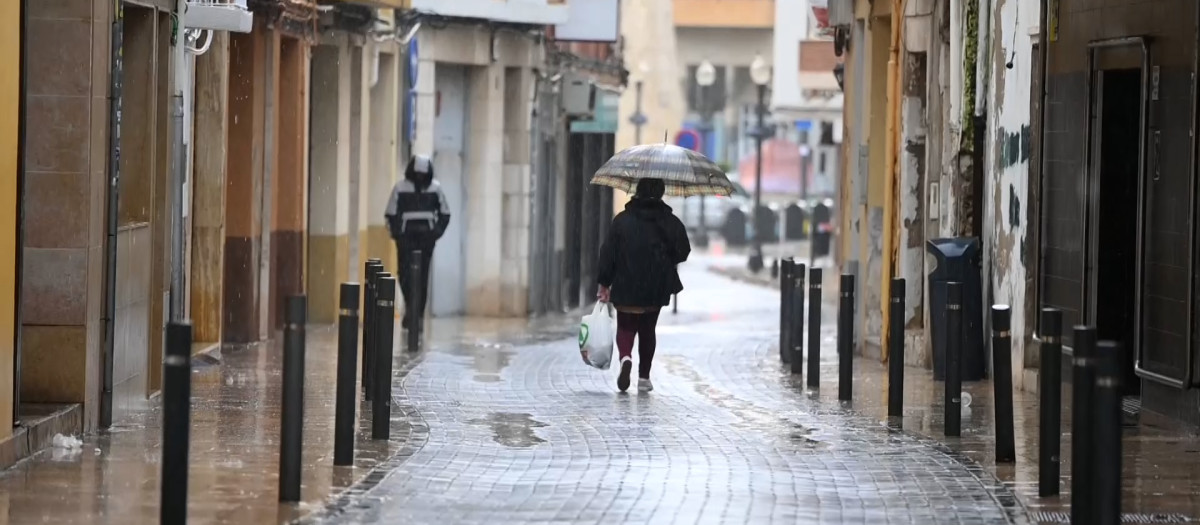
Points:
(649, 209)
(419, 171)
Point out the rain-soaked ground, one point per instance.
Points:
(500, 422)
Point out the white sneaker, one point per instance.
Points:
(644, 385)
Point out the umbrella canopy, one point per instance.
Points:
(685, 173)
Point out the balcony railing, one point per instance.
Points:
(535, 12)
(219, 15)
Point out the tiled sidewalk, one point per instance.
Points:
(1161, 459)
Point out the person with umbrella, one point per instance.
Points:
(638, 261)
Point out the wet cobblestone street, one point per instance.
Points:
(522, 431)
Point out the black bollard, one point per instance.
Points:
(815, 278)
(786, 271)
(1002, 385)
(1050, 404)
(415, 316)
(176, 423)
(796, 319)
(845, 339)
(1106, 451)
(1083, 382)
(953, 397)
(896, 352)
(368, 313)
(381, 405)
(343, 419)
(291, 426)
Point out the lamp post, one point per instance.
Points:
(706, 75)
(760, 73)
(805, 160)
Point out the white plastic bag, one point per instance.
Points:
(596, 333)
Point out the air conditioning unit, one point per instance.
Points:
(578, 96)
(216, 15)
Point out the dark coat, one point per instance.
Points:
(638, 259)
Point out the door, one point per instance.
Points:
(449, 166)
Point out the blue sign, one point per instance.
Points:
(804, 125)
(688, 139)
(414, 62)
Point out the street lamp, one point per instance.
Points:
(706, 75)
(760, 73)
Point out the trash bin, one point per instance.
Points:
(958, 260)
(822, 240)
(734, 229)
(796, 219)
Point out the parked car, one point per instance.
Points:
(716, 209)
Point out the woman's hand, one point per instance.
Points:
(603, 294)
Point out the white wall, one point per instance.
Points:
(791, 26)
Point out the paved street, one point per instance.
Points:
(522, 431)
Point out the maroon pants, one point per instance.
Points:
(642, 327)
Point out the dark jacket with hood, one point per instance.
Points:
(645, 243)
(417, 210)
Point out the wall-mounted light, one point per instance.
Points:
(839, 73)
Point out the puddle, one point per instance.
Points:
(512, 430)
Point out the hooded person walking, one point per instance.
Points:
(417, 215)
(638, 275)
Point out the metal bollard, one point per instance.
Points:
(953, 397)
(416, 316)
(786, 271)
(368, 312)
(815, 279)
(176, 422)
(291, 426)
(1083, 381)
(381, 405)
(845, 339)
(1050, 404)
(1002, 386)
(343, 419)
(796, 319)
(1106, 449)
(896, 352)
(674, 304)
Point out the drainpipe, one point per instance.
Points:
(981, 52)
(114, 188)
(20, 237)
(891, 186)
(956, 71)
(179, 155)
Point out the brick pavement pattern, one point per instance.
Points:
(522, 431)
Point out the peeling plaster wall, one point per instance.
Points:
(1006, 217)
(910, 252)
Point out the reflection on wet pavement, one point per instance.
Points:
(723, 438)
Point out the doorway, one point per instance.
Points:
(448, 293)
(1116, 157)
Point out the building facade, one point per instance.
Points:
(1042, 131)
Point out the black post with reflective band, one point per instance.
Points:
(786, 271)
(381, 405)
(176, 423)
(815, 278)
(368, 337)
(953, 397)
(796, 319)
(1083, 383)
(896, 351)
(1002, 383)
(1106, 453)
(1050, 404)
(845, 339)
(415, 316)
(347, 362)
(291, 426)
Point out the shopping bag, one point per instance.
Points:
(596, 333)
